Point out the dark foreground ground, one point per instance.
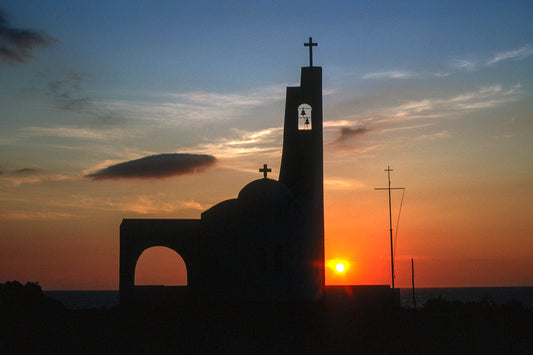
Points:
(35, 324)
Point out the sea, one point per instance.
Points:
(496, 295)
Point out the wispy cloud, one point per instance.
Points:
(405, 127)
(254, 98)
(161, 109)
(391, 74)
(519, 53)
(72, 132)
(156, 166)
(244, 143)
(159, 203)
(349, 134)
(464, 65)
(456, 65)
(17, 44)
(434, 136)
(338, 123)
(36, 215)
(460, 65)
(340, 184)
(31, 176)
(148, 205)
(483, 98)
(79, 205)
(199, 107)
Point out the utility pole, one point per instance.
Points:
(413, 281)
(388, 170)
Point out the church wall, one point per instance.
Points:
(239, 238)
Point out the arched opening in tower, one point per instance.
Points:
(160, 266)
(305, 122)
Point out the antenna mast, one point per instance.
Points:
(388, 170)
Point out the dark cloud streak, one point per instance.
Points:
(63, 91)
(348, 133)
(156, 167)
(68, 95)
(27, 171)
(16, 44)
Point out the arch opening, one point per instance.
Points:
(160, 266)
(305, 122)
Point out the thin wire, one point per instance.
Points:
(398, 223)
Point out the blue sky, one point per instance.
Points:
(203, 45)
(441, 90)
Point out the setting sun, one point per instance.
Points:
(339, 267)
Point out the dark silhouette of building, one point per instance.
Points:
(268, 243)
(265, 245)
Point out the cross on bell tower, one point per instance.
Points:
(310, 44)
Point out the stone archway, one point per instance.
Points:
(138, 235)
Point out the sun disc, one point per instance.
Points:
(339, 267)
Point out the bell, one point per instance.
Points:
(307, 121)
(302, 113)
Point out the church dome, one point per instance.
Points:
(265, 190)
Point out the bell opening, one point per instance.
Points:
(304, 117)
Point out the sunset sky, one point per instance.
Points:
(442, 91)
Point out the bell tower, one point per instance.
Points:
(302, 161)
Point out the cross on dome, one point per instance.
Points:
(265, 170)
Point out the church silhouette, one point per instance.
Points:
(266, 245)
